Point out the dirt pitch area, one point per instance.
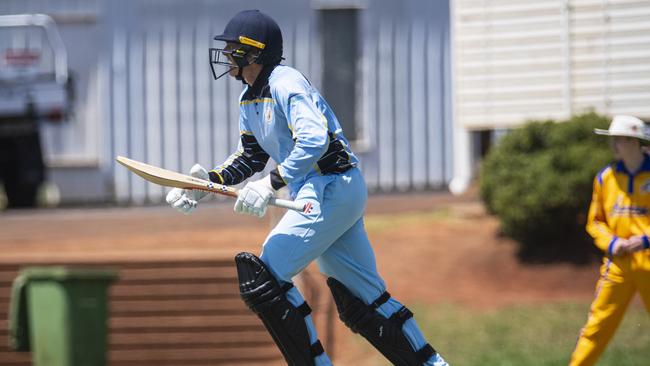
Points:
(431, 248)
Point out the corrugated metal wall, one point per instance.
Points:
(407, 94)
(517, 60)
(157, 101)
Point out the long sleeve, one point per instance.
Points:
(309, 129)
(597, 225)
(249, 159)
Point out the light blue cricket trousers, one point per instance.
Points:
(333, 234)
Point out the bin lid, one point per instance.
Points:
(18, 320)
(62, 273)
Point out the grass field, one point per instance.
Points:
(526, 335)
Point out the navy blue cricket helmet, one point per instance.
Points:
(257, 37)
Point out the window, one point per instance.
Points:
(340, 49)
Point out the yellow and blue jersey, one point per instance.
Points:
(620, 205)
(620, 208)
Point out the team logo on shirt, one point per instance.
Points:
(645, 187)
(620, 208)
(268, 113)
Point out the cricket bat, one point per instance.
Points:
(170, 178)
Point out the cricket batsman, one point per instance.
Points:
(284, 117)
(619, 222)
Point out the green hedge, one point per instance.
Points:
(538, 180)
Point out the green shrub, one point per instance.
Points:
(538, 180)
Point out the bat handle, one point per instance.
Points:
(291, 205)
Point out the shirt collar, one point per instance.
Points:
(645, 166)
(261, 81)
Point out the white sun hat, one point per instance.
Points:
(628, 126)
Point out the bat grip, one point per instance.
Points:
(291, 205)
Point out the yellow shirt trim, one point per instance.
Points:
(259, 100)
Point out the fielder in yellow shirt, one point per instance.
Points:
(619, 222)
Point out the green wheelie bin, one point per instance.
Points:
(60, 314)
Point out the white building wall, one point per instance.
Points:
(525, 59)
(517, 60)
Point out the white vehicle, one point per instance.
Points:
(34, 87)
(33, 68)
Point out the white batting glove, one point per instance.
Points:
(254, 198)
(186, 200)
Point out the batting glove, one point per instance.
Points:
(254, 198)
(186, 200)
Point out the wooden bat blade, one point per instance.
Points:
(153, 174)
(169, 178)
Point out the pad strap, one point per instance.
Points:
(304, 309)
(425, 353)
(401, 315)
(381, 300)
(317, 349)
